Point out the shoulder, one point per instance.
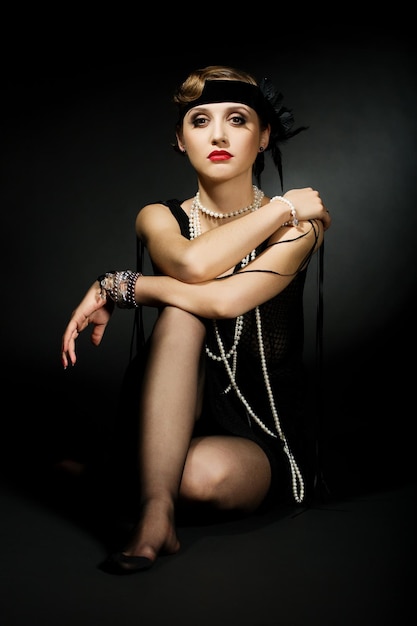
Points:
(159, 216)
(153, 210)
(179, 209)
(150, 214)
(305, 235)
(152, 207)
(310, 234)
(173, 204)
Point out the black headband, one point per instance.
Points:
(229, 91)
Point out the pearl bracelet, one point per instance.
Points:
(119, 287)
(294, 221)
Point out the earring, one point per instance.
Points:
(261, 149)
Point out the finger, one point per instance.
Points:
(97, 334)
(64, 360)
(68, 357)
(68, 345)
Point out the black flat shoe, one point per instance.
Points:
(122, 564)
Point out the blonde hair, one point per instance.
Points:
(193, 86)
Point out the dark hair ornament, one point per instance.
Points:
(281, 121)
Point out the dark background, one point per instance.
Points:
(86, 141)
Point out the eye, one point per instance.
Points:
(237, 120)
(199, 120)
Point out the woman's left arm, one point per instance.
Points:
(288, 251)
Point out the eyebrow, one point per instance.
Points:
(231, 106)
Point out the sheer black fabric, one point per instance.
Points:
(283, 339)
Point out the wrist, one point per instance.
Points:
(119, 287)
(293, 221)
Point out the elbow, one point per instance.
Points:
(194, 269)
(190, 275)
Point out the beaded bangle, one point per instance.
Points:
(119, 287)
(294, 221)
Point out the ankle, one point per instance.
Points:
(157, 505)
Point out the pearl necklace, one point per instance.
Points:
(195, 231)
(258, 195)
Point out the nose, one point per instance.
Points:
(216, 140)
(219, 134)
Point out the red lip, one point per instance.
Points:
(219, 155)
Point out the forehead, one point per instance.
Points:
(221, 107)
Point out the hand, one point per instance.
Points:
(309, 205)
(93, 309)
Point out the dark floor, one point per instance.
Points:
(345, 561)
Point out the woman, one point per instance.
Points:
(221, 399)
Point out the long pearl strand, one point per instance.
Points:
(195, 231)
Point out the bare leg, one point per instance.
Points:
(168, 411)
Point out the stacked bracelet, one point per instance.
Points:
(294, 220)
(119, 287)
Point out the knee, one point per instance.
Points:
(178, 325)
(203, 482)
(228, 476)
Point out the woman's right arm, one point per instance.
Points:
(220, 249)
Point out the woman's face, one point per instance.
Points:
(222, 139)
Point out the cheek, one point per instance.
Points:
(197, 146)
(247, 140)
(195, 141)
(248, 146)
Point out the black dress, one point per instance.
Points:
(282, 322)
